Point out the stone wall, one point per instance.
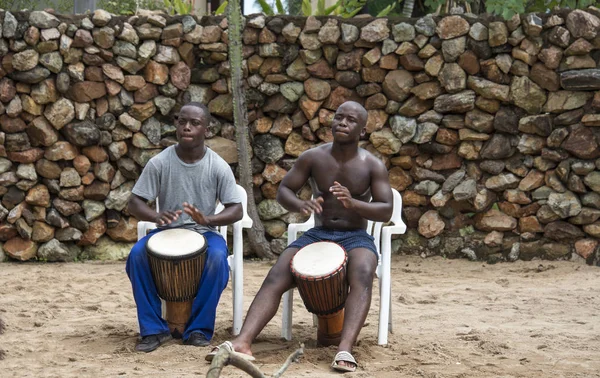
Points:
(488, 128)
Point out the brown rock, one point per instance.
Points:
(95, 231)
(431, 224)
(86, 91)
(399, 179)
(582, 143)
(586, 247)
(273, 173)
(156, 73)
(27, 156)
(42, 232)
(38, 196)
(125, 231)
(180, 75)
(494, 220)
(21, 249)
(133, 82)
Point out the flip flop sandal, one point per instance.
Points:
(346, 357)
(228, 346)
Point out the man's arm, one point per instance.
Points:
(232, 213)
(382, 202)
(293, 182)
(138, 207)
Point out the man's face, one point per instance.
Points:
(348, 123)
(191, 126)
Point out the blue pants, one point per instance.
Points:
(204, 309)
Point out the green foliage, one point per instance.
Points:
(126, 7)
(384, 8)
(17, 5)
(266, 8)
(505, 8)
(387, 10)
(178, 6)
(221, 9)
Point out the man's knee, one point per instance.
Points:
(137, 252)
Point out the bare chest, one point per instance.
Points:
(354, 175)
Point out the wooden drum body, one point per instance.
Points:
(319, 270)
(177, 258)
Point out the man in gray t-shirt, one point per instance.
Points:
(187, 180)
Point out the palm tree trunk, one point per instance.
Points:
(256, 234)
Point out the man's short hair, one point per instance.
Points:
(202, 107)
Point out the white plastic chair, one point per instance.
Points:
(383, 243)
(236, 261)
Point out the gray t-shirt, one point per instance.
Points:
(174, 182)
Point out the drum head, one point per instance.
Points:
(318, 259)
(175, 243)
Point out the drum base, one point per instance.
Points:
(329, 328)
(177, 316)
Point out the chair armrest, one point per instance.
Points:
(294, 228)
(143, 227)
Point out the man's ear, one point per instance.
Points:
(363, 132)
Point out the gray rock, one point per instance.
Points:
(9, 25)
(54, 250)
(268, 148)
(564, 204)
(270, 209)
(43, 20)
(107, 250)
(82, 134)
(426, 25)
(465, 190)
(427, 187)
(580, 80)
(117, 198)
(403, 32)
(452, 181)
(404, 128)
(92, 209)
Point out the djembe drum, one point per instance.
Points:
(177, 258)
(319, 270)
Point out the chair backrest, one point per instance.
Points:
(242, 194)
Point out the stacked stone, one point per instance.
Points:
(488, 128)
(84, 104)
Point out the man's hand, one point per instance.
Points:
(342, 194)
(167, 217)
(196, 214)
(312, 206)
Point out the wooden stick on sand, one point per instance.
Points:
(224, 358)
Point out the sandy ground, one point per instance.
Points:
(452, 318)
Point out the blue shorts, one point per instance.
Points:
(348, 239)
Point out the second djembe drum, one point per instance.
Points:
(319, 270)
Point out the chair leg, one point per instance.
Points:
(390, 320)
(286, 321)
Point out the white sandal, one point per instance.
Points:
(228, 346)
(346, 357)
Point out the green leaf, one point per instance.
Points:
(221, 8)
(385, 11)
(279, 5)
(266, 8)
(306, 8)
(320, 7)
(331, 8)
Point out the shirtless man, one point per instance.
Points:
(343, 178)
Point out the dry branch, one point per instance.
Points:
(224, 357)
